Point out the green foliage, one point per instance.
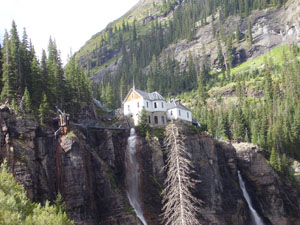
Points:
(275, 160)
(23, 75)
(27, 101)
(16, 209)
(14, 105)
(143, 122)
(249, 37)
(44, 109)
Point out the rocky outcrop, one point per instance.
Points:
(276, 198)
(87, 167)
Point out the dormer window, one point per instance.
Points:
(155, 105)
(162, 105)
(132, 95)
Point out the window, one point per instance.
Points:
(171, 113)
(147, 104)
(163, 119)
(156, 119)
(162, 105)
(138, 104)
(149, 119)
(132, 96)
(179, 112)
(155, 105)
(128, 107)
(187, 114)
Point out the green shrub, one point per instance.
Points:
(16, 208)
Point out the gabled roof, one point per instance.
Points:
(173, 105)
(148, 96)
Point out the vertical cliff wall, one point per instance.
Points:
(87, 167)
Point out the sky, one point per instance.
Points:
(70, 22)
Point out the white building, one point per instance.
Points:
(158, 110)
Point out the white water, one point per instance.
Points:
(132, 177)
(254, 215)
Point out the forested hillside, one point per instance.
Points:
(198, 50)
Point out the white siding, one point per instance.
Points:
(159, 104)
(182, 115)
(135, 107)
(173, 115)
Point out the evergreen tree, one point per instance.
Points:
(238, 33)
(143, 121)
(9, 79)
(44, 109)
(27, 101)
(36, 83)
(229, 52)
(1, 62)
(250, 38)
(109, 97)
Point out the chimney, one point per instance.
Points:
(178, 101)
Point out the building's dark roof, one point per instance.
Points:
(150, 96)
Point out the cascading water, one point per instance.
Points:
(132, 177)
(254, 215)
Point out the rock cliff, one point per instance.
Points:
(87, 167)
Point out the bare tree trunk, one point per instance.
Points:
(180, 206)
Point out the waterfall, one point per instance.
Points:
(254, 215)
(132, 177)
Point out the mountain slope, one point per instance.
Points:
(235, 67)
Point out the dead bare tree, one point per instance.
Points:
(180, 206)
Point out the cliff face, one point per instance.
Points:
(88, 168)
(275, 197)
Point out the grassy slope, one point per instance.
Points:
(252, 84)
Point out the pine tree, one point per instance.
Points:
(143, 121)
(27, 101)
(36, 83)
(1, 62)
(273, 158)
(109, 97)
(250, 39)
(9, 79)
(44, 109)
(229, 52)
(238, 33)
(14, 105)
